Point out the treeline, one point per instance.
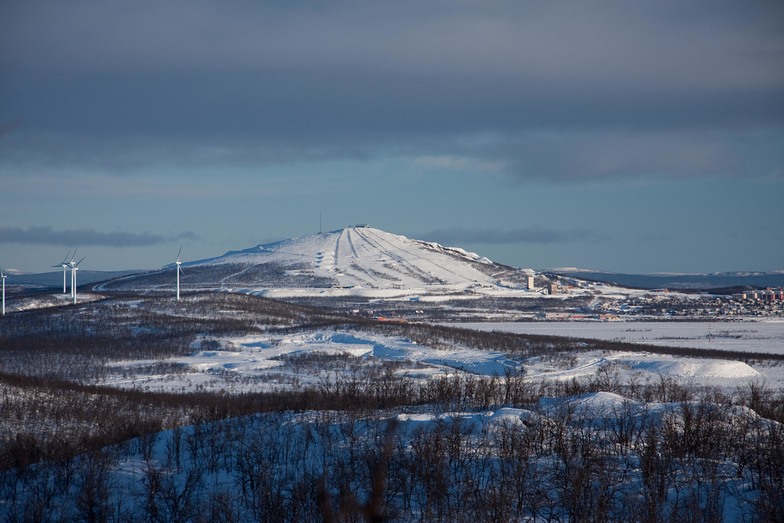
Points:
(78, 342)
(522, 346)
(552, 462)
(200, 312)
(49, 418)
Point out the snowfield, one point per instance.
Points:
(647, 368)
(250, 364)
(283, 362)
(745, 336)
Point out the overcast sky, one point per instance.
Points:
(623, 136)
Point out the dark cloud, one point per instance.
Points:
(533, 234)
(563, 91)
(47, 235)
(613, 154)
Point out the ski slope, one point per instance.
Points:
(367, 257)
(355, 261)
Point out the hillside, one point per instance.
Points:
(227, 407)
(354, 261)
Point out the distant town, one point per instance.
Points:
(768, 303)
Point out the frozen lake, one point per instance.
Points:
(732, 336)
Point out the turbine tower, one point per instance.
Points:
(64, 265)
(179, 270)
(2, 275)
(74, 267)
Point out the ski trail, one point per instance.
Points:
(356, 267)
(417, 255)
(337, 251)
(379, 241)
(223, 281)
(411, 269)
(351, 244)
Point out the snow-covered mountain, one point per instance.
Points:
(352, 261)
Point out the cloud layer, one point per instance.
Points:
(237, 119)
(544, 90)
(47, 235)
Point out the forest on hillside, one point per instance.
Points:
(364, 443)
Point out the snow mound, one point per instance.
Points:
(593, 404)
(508, 416)
(702, 368)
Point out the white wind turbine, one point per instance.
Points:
(74, 267)
(179, 270)
(2, 275)
(64, 265)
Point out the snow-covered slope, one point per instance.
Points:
(366, 257)
(350, 261)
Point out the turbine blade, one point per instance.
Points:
(65, 260)
(80, 261)
(74, 254)
(178, 253)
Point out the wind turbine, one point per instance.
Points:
(64, 265)
(74, 267)
(179, 270)
(2, 275)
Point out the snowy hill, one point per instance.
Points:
(346, 262)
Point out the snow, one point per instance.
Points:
(183, 471)
(688, 368)
(746, 336)
(49, 300)
(594, 404)
(245, 363)
(363, 261)
(507, 416)
(763, 337)
(650, 366)
(284, 361)
(359, 262)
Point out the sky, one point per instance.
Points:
(622, 136)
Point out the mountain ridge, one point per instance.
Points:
(356, 260)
